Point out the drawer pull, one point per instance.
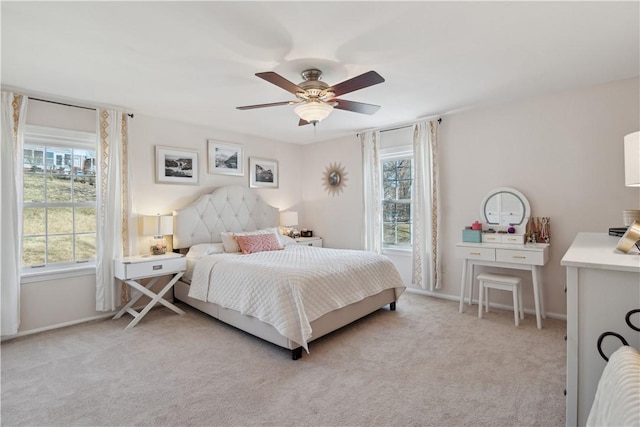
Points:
(157, 267)
(519, 257)
(474, 253)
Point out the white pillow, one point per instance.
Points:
(230, 243)
(203, 249)
(286, 240)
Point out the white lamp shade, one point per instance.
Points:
(288, 218)
(313, 111)
(632, 160)
(157, 225)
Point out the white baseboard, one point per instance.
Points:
(70, 323)
(498, 306)
(58, 326)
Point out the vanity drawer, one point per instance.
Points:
(485, 254)
(491, 238)
(520, 257)
(513, 238)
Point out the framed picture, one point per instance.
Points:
(225, 158)
(263, 173)
(176, 166)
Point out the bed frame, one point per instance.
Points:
(235, 209)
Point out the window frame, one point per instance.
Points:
(56, 137)
(395, 153)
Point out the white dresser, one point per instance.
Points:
(520, 257)
(603, 284)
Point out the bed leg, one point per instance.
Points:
(296, 353)
(392, 306)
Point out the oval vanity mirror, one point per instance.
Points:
(504, 206)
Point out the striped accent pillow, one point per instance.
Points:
(258, 243)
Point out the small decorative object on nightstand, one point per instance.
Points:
(310, 241)
(132, 269)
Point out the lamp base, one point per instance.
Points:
(630, 238)
(158, 246)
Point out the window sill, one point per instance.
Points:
(408, 251)
(45, 275)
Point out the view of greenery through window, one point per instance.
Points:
(397, 180)
(59, 218)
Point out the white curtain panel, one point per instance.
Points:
(426, 212)
(114, 206)
(14, 111)
(372, 195)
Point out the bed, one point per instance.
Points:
(289, 296)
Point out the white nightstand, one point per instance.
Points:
(131, 269)
(310, 241)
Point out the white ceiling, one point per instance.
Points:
(195, 61)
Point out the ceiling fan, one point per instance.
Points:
(316, 99)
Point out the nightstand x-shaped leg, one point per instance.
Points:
(155, 299)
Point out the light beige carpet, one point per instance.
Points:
(422, 365)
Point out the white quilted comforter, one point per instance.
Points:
(617, 400)
(290, 288)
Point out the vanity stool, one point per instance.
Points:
(505, 283)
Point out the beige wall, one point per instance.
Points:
(563, 151)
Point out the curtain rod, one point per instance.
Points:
(70, 105)
(400, 127)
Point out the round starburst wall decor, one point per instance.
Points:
(334, 179)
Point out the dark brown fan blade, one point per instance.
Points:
(273, 104)
(356, 107)
(359, 82)
(303, 122)
(280, 81)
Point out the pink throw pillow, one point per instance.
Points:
(258, 243)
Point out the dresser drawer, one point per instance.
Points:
(485, 254)
(125, 271)
(491, 238)
(520, 257)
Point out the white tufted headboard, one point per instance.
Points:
(230, 208)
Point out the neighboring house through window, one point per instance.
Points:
(396, 168)
(59, 198)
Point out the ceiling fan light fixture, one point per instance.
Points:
(313, 111)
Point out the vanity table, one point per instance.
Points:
(502, 209)
(504, 255)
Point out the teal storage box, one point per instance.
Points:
(472, 236)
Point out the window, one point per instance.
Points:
(396, 166)
(59, 198)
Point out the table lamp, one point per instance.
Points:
(631, 235)
(287, 220)
(158, 226)
(632, 160)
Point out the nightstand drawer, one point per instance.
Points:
(148, 268)
(309, 241)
